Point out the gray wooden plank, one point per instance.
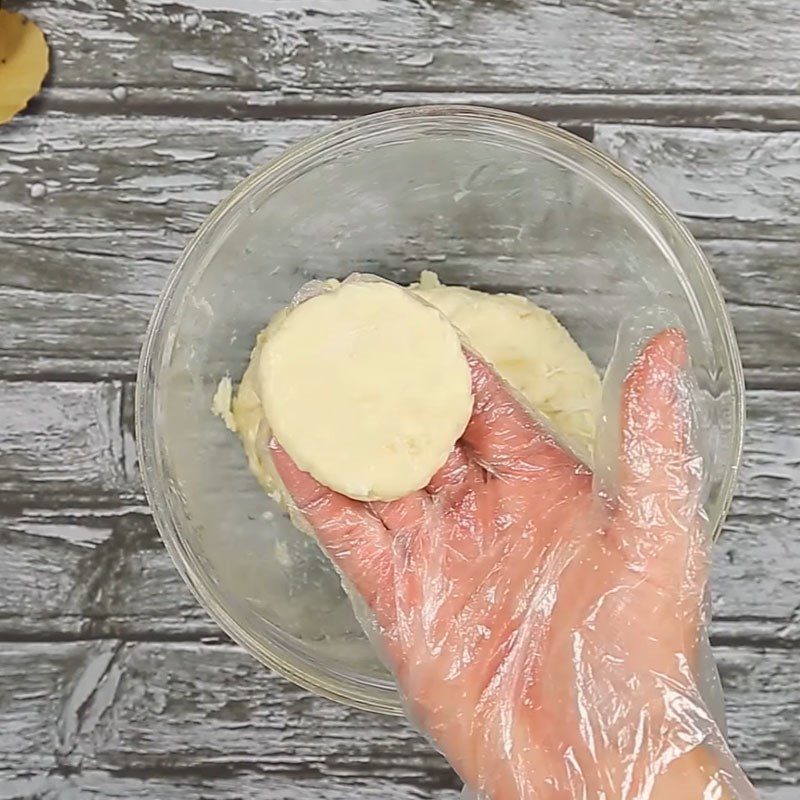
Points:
(29, 701)
(89, 573)
(725, 182)
(771, 751)
(89, 310)
(721, 180)
(70, 310)
(770, 471)
(634, 45)
(95, 211)
(761, 285)
(773, 792)
(101, 784)
(85, 572)
(220, 784)
(573, 109)
(104, 573)
(754, 579)
(136, 187)
(171, 709)
(60, 439)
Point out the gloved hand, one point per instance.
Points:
(546, 637)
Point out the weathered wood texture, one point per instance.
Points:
(232, 785)
(61, 439)
(576, 110)
(70, 443)
(187, 710)
(105, 574)
(622, 45)
(113, 682)
(94, 212)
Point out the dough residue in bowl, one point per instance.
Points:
(526, 344)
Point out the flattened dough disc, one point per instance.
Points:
(366, 388)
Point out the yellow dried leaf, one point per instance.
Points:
(24, 60)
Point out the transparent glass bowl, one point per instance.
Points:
(492, 200)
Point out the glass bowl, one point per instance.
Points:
(488, 199)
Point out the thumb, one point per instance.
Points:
(354, 539)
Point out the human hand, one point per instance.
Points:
(544, 636)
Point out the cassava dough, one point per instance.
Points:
(531, 350)
(526, 344)
(366, 388)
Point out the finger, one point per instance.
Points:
(656, 454)
(353, 538)
(459, 470)
(660, 470)
(505, 436)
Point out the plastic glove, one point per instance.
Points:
(545, 637)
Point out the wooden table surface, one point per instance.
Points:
(113, 683)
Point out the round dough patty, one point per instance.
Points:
(366, 388)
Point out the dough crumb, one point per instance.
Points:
(221, 403)
(428, 279)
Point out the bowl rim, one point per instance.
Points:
(276, 655)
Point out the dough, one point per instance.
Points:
(249, 421)
(531, 350)
(366, 388)
(526, 344)
(221, 403)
